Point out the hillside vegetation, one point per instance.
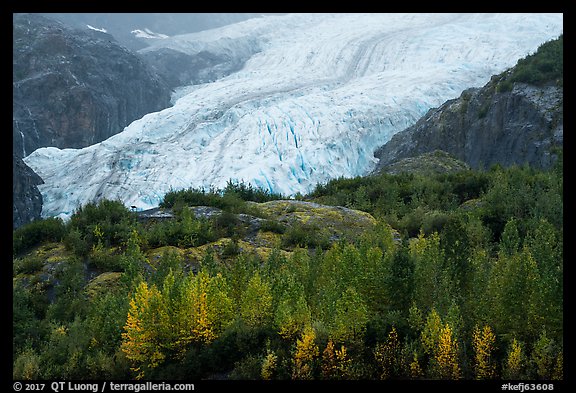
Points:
(409, 276)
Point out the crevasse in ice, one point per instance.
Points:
(319, 93)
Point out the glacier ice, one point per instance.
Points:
(318, 94)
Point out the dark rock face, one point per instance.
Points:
(483, 127)
(27, 203)
(73, 88)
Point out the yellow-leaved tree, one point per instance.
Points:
(142, 343)
(446, 355)
(513, 367)
(205, 310)
(305, 355)
(329, 364)
(483, 341)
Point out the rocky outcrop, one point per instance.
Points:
(73, 88)
(27, 203)
(437, 161)
(336, 221)
(487, 126)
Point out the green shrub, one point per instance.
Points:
(544, 66)
(272, 226)
(231, 248)
(114, 221)
(232, 198)
(74, 241)
(248, 368)
(305, 236)
(434, 222)
(37, 232)
(226, 223)
(28, 265)
(106, 260)
(27, 365)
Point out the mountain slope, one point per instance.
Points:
(27, 200)
(312, 103)
(75, 88)
(70, 89)
(507, 121)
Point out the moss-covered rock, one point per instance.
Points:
(337, 221)
(226, 248)
(42, 262)
(437, 161)
(102, 283)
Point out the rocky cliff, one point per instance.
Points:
(27, 202)
(507, 121)
(483, 127)
(73, 88)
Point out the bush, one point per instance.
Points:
(434, 221)
(232, 198)
(37, 232)
(74, 241)
(113, 220)
(185, 231)
(28, 265)
(106, 260)
(272, 226)
(248, 368)
(544, 66)
(305, 236)
(27, 365)
(226, 223)
(231, 248)
(247, 192)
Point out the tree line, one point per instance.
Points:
(471, 289)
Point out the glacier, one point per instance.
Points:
(317, 95)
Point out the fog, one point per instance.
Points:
(121, 25)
